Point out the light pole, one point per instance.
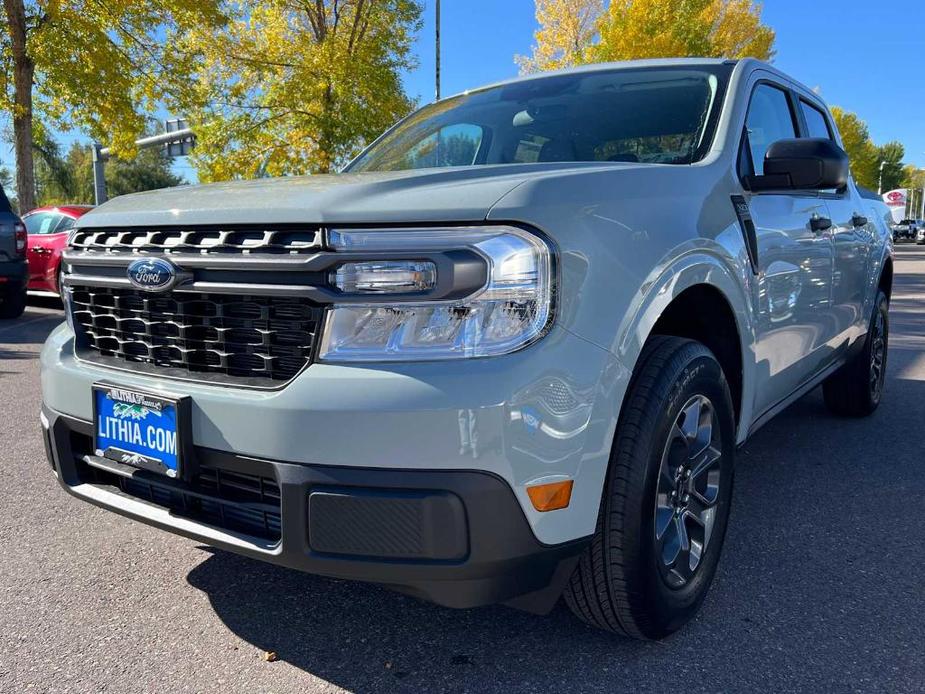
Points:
(922, 208)
(880, 182)
(437, 48)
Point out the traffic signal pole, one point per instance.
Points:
(102, 154)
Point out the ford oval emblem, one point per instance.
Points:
(152, 274)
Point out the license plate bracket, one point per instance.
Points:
(142, 429)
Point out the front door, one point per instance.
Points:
(795, 262)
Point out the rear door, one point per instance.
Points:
(795, 258)
(852, 233)
(43, 229)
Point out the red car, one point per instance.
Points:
(48, 231)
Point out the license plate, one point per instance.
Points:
(138, 429)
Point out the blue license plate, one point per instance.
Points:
(137, 429)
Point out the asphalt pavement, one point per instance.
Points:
(818, 589)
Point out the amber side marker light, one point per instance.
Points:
(552, 496)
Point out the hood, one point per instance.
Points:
(428, 195)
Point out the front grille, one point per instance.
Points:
(254, 340)
(203, 241)
(244, 503)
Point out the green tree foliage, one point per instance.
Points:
(863, 153)
(95, 65)
(68, 178)
(299, 87)
(913, 177)
(573, 32)
(891, 154)
(6, 181)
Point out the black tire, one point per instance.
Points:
(855, 390)
(621, 583)
(12, 305)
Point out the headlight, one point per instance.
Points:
(510, 310)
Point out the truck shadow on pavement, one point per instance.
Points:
(814, 589)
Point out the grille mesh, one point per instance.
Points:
(223, 499)
(198, 241)
(266, 339)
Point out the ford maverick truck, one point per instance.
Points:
(506, 355)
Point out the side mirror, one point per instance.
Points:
(803, 164)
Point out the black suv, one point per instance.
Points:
(14, 271)
(905, 230)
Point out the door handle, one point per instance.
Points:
(858, 220)
(819, 224)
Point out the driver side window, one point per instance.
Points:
(769, 119)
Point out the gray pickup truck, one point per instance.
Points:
(14, 270)
(507, 355)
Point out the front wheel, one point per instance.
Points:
(855, 390)
(666, 503)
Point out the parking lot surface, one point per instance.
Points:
(818, 588)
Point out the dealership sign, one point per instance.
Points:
(896, 198)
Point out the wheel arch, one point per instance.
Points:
(701, 298)
(886, 278)
(702, 313)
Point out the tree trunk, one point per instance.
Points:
(23, 71)
(325, 136)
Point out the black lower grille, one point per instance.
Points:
(244, 503)
(218, 337)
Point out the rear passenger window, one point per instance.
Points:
(769, 120)
(42, 222)
(815, 121)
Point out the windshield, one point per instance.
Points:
(653, 115)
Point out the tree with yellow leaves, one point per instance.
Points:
(862, 152)
(584, 31)
(294, 88)
(567, 30)
(98, 66)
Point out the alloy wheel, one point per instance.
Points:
(688, 491)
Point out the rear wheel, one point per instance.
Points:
(12, 304)
(666, 504)
(855, 390)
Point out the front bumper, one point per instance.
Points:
(542, 414)
(456, 538)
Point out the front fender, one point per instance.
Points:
(704, 265)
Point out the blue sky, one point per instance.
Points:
(864, 56)
(867, 57)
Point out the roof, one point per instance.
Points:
(602, 67)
